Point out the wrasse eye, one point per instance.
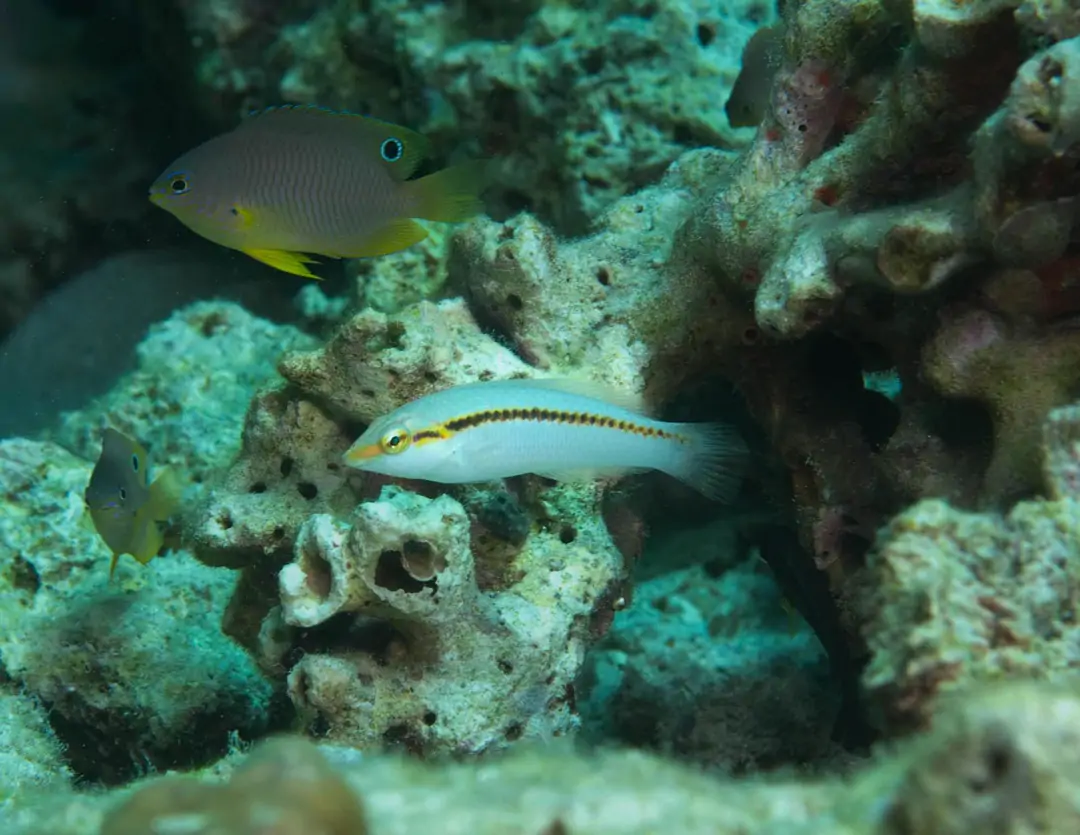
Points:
(178, 184)
(394, 441)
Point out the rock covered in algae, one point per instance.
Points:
(136, 672)
(998, 759)
(133, 673)
(705, 664)
(958, 597)
(31, 757)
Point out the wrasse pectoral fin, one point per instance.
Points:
(290, 262)
(394, 237)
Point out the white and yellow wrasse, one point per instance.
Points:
(559, 429)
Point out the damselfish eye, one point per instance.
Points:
(178, 184)
(394, 441)
(135, 463)
(123, 494)
(392, 149)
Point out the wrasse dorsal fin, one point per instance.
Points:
(368, 132)
(611, 395)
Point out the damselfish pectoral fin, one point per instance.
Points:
(394, 237)
(290, 262)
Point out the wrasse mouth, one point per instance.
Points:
(356, 455)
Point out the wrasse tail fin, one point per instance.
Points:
(714, 461)
(451, 195)
(289, 262)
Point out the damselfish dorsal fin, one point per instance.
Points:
(398, 149)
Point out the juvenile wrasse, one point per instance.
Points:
(558, 429)
(295, 181)
(128, 512)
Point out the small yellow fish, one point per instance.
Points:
(561, 429)
(295, 181)
(128, 512)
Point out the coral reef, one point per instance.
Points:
(462, 670)
(579, 104)
(133, 676)
(994, 759)
(707, 665)
(956, 597)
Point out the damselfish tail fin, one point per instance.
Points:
(714, 461)
(450, 195)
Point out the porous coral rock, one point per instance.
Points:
(196, 372)
(998, 759)
(133, 674)
(376, 362)
(467, 670)
(956, 597)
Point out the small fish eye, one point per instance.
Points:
(392, 149)
(123, 494)
(394, 442)
(234, 211)
(178, 185)
(135, 463)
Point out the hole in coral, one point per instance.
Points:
(706, 34)
(567, 534)
(593, 62)
(682, 134)
(514, 300)
(879, 419)
(430, 717)
(24, 576)
(421, 560)
(257, 487)
(225, 520)
(318, 575)
(603, 275)
(403, 737)
(278, 532)
(367, 392)
(505, 666)
(308, 490)
(431, 377)
(513, 732)
(391, 575)
(286, 466)
(750, 336)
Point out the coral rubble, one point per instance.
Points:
(995, 758)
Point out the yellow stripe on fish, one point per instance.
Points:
(559, 429)
(295, 181)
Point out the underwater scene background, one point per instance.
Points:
(682, 434)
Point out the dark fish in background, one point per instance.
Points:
(761, 57)
(128, 511)
(294, 181)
